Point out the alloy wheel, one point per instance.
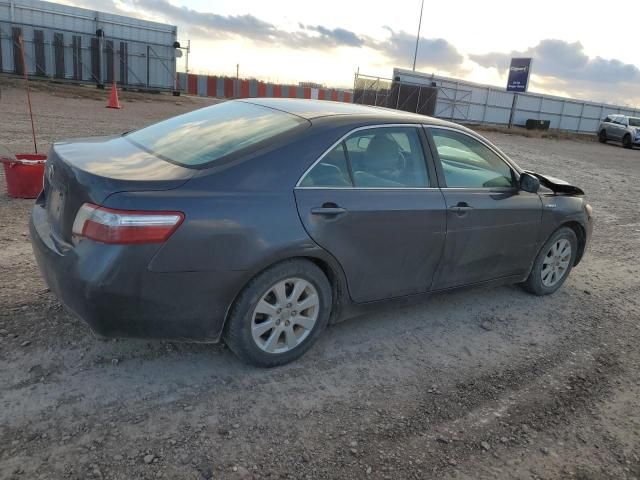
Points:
(285, 315)
(556, 262)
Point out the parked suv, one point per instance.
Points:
(620, 128)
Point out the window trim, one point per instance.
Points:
(442, 182)
(427, 161)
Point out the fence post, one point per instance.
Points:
(375, 99)
(486, 105)
(514, 104)
(580, 117)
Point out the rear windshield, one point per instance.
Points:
(634, 122)
(205, 135)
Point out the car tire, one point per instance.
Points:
(548, 274)
(267, 303)
(602, 136)
(626, 141)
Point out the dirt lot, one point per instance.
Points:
(474, 384)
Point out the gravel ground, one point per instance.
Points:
(476, 383)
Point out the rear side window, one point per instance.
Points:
(634, 122)
(209, 134)
(331, 172)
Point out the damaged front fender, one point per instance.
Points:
(557, 185)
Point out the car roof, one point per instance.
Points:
(311, 109)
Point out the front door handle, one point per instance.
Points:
(461, 208)
(328, 211)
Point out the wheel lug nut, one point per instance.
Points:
(286, 323)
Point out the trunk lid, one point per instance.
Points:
(89, 170)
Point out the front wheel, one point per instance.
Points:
(626, 141)
(602, 136)
(279, 314)
(553, 263)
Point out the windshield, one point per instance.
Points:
(634, 122)
(205, 135)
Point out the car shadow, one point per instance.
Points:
(447, 330)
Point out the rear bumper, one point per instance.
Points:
(111, 288)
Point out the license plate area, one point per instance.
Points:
(55, 205)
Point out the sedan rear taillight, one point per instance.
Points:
(108, 225)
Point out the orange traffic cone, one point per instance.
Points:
(113, 99)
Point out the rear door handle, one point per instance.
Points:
(328, 211)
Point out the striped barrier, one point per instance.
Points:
(226, 87)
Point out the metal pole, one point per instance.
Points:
(415, 54)
(514, 104)
(100, 47)
(580, 118)
(148, 65)
(186, 60)
(26, 81)
(355, 84)
(375, 100)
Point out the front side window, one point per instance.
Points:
(634, 122)
(468, 163)
(209, 134)
(389, 157)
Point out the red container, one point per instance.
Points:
(24, 175)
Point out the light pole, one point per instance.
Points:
(415, 54)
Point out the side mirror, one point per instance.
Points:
(529, 183)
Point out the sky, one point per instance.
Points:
(328, 41)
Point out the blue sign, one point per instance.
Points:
(519, 74)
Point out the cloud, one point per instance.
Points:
(214, 26)
(210, 24)
(565, 61)
(397, 48)
(337, 36)
(436, 52)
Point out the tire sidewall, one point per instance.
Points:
(238, 332)
(602, 136)
(535, 279)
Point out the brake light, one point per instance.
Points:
(108, 225)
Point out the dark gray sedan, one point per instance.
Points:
(260, 221)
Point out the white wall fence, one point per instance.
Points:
(468, 102)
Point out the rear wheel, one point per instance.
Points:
(602, 136)
(626, 141)
(279, 314)
(553, 263)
